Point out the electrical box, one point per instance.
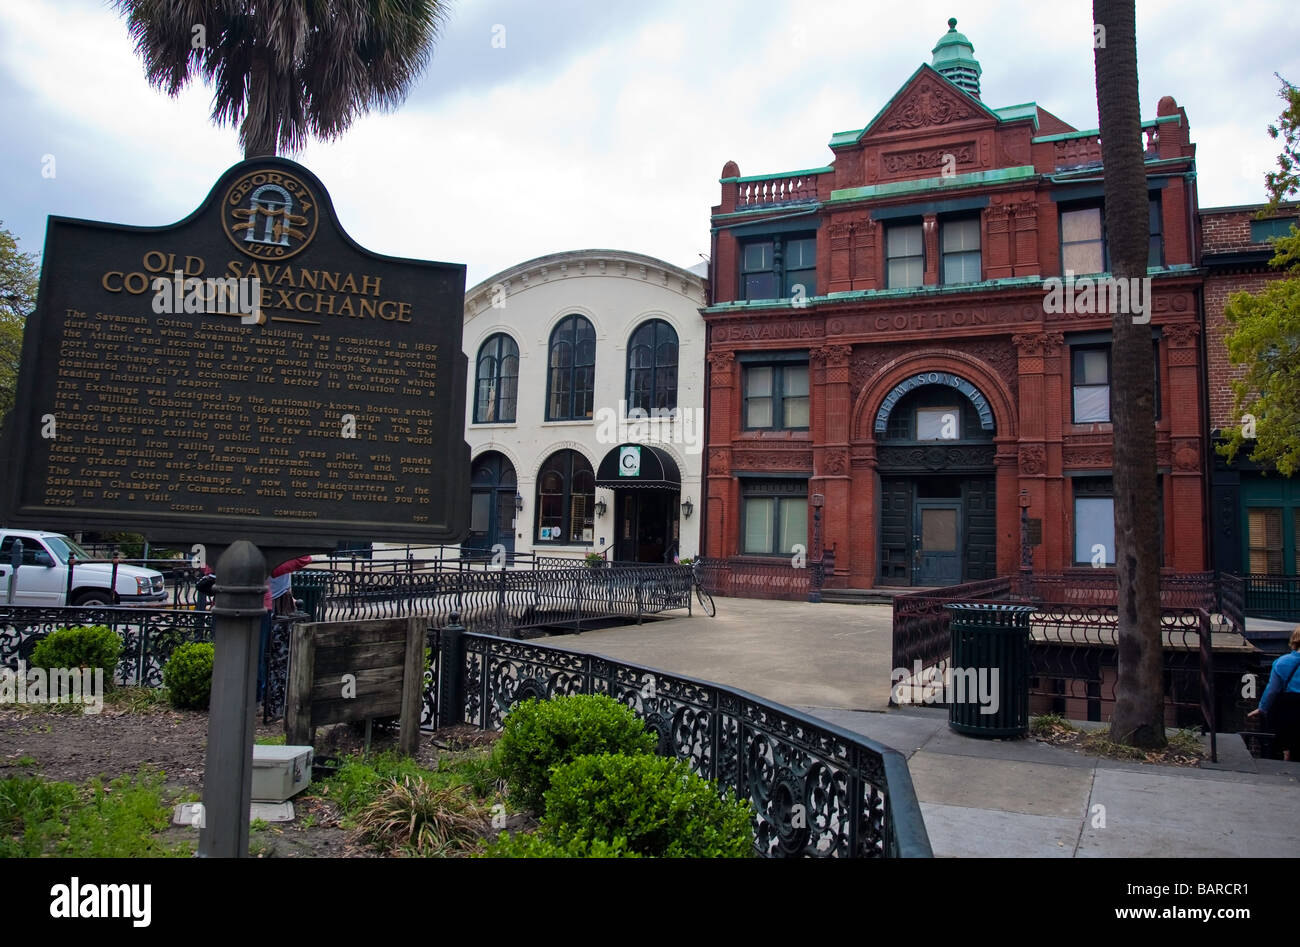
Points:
(280, 772)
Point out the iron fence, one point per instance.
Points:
(149, 636)
(766, 577)
(1097, 587)
(816, 789)
(920, 621)
(500, 600)
(1232, 601)
(1073, 647)
(1272, 596)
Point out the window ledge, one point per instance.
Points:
(489, 425)
(573, 423)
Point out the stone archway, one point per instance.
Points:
(902, 483)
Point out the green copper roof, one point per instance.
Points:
(1094, 132)
(894, 188)
(952, 38)
(1010, 113)
(954, 59)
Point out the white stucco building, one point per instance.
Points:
(585, 410)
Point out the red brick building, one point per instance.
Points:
(1255, 512)
(882, 346)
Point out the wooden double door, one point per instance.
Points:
(937, 530)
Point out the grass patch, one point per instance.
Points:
(1187, 743)
(396, 806)
(39, 709)
(270, 741)
(1100, 743)
(1048, 725)
(25, 761)
(122, 819)
(137, 700)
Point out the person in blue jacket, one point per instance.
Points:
(1281, 700)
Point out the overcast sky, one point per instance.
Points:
(606, 123)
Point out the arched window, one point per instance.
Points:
(572, 375)
(652, 368)
(566, 493)
(491, 505)
(498, 380)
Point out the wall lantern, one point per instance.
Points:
(600, 508)
(519, 503)
(687, 508)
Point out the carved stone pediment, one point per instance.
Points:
(929, 102)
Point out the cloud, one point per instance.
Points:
(603, 125)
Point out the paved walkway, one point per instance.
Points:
(979, 797)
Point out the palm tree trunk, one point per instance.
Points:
(1138, 719)
(258, 131)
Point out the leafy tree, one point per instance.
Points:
(19, 278)
(1138, 719)
(286, 70)
(1285, 180)
(1264, 327)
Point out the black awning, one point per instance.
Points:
(638, 466)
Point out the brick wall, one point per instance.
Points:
(1226, 232)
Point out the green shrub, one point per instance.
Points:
(541, 734)
(85, 646)
(656, 805)
(529, 845)
(188, 675)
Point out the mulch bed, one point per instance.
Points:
(1077, 741)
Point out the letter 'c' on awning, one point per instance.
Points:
(654, 469)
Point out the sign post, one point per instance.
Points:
(228, 769)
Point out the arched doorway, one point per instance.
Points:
(492, 505)
(938, 488)
(647, 486)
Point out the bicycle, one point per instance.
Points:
(701, 594)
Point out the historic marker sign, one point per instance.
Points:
(247, 373)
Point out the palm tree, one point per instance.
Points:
(1138, 719)
(286, 70)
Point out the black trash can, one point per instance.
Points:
(988, 673)
(310, 587)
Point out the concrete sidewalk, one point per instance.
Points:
(1026, 798)
(979, 797)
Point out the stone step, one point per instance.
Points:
(862, 596)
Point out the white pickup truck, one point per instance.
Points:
(42, 577)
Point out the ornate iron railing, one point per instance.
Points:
(1098, 587)
(1272, 596)
(816, 789)
(148, 635)
(921, 621)
(1073, 647)
(766, 577)
(496, 600)
(1232, 601)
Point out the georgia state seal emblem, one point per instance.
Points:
(269, 215)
